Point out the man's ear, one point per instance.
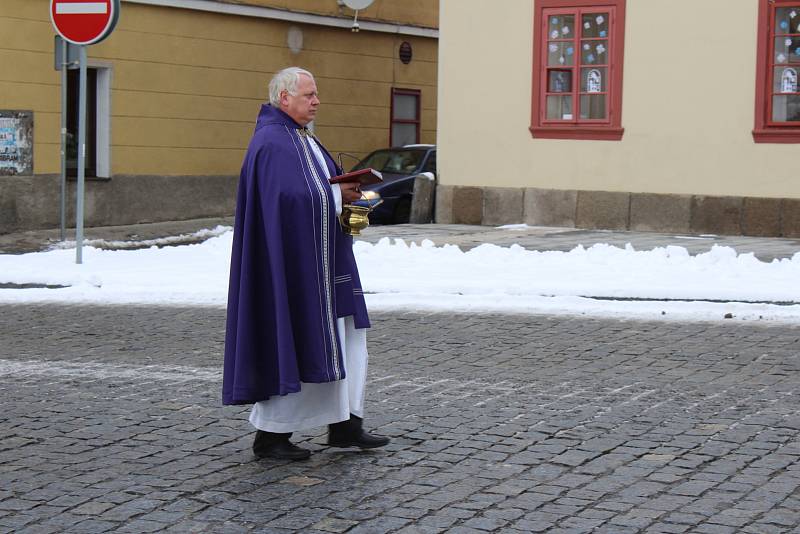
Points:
(284, 100)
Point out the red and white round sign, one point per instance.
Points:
(84, 22)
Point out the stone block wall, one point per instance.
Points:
(647, 212)
(33, 202)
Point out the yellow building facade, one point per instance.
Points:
(696, 142)
(177, 87)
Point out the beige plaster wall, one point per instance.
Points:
(688, 105)
(415, 12)
(187, 85)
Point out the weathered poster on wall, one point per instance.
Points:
(16, 142)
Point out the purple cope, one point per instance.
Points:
(293, 272)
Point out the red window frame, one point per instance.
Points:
(393, 120)
(766, 130)
(608, 129)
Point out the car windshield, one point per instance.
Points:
(392, 161)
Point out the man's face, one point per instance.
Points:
(302, 107)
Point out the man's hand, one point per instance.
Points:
(351, 191)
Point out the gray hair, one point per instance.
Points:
(285, 80)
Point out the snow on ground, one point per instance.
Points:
(600, 280)
(181, 239)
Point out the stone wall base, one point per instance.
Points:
(33, 202)
(647, 212)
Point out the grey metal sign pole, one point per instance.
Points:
(83, 22)
(81, 157)
(64, 47)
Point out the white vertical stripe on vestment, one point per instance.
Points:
(326, 253)
(327, 324)
(337, 191)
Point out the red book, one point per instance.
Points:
(364, 177)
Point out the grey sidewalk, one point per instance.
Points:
(465, 236)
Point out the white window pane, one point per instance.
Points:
(787, 50)
(561, 27)
(560, 54)
(559, 107)
(404, 134)
(594, 52)
(593, 106)
(785, 80)
(559, 81)
(786, 108)
(594, 80)
(594, 25)
(405, 107)
(787, 20)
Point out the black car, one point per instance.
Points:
(399, 167)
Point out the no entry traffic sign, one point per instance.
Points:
(84, 22)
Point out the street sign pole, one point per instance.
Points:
(81, 157)
(80, 22)
(64, 141)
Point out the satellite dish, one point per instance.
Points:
(358, 4)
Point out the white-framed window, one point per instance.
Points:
(98, 126)
(404, 129)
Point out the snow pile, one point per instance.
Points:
(181, 239)
(599, 271)
(598, 280)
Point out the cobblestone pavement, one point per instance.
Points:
(111, 421)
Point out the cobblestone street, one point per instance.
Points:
(111, 421)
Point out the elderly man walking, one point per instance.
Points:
(295, 344)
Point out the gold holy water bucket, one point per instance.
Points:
(354, 218)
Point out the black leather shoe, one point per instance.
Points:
(273, 445)
(351, 433)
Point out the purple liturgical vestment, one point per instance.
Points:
(292, 269)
